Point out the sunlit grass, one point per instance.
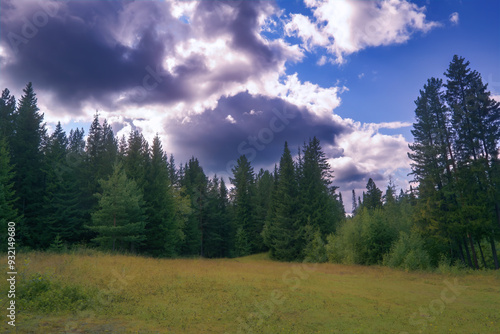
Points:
(252, 295)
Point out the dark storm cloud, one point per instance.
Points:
(255, 126)
(77, 50)
(75, 56)
(350, 176)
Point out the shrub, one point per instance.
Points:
(408, 253)
(46, 294)
(315, 250)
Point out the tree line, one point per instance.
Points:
(127, 195)
(123, 194)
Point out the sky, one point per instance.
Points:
(218, 79)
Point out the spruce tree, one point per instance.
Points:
(162, 228)
(282, 233)
(7, 114)
(244, 202)
(320, 206)
(119, 220)
(194, 186)
(8, 213)
(373, 197)
(27, 157)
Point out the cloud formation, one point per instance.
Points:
(344, 27)
(206, 75)
(454, 18)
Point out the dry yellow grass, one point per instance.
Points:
(256, 295)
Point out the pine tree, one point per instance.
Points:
(354, 203)
(119, 220)
(217, 231)
(27, 157)
(264, 188)
(101, 154)
(137, 158)
(162, 228)
(390, 194)
(244, 202)
(61, 207)
(194, 185)
(282, 233)
(319, 204)
(373, 197)
(8, 213)
(476, 123)
(7, 114)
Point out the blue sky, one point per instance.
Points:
(216, 79)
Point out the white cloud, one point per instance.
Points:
(454, 18)
(318, 100)
(367, 153)
(361, 75)
(347, 26)
(496, 97)
(230, 119)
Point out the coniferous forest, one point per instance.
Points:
(88, 188)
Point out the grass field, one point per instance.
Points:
(99, 293)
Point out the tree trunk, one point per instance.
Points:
(473, 249)
(114, 224)
(494, 251)
(469, 261)
(482, 255)
(461, 252)
(497, 210)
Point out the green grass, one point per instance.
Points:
(125, 294)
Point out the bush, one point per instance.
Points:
(315, 250)
(408, 253)
(46, 294)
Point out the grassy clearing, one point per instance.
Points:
(126, 294)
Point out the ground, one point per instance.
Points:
(128, 294)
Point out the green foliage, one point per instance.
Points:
(8, 212)
(58, 245)
(373, 197)
(44, 293)
(455, 159)
(315, 250)
(162, 228)
(241, 245)
(282, 233)
(368, 236)
(28, 138)
(408, 253)
(244, 202)
(120, 215)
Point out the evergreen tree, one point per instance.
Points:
(264, 188)
(217, 231)
(100, 157)
(62, 210)
(476, 123)
(354, 203)
(282, 233)
(27, 157)
(194, 185)
(119, 220)
(7, 114)
(319, 203)
(390, 194)
(8, 213)
(137, 158)
(373, 197)
(162, 228)
(244, 202)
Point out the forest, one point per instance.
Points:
(129, 196)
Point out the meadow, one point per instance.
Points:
(92, 292)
